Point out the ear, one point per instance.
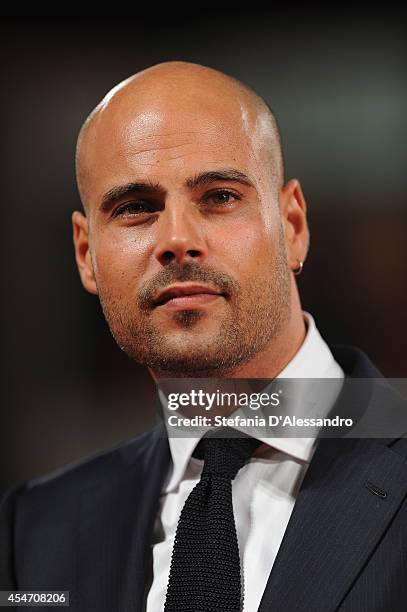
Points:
(82, 251)
(294, 216)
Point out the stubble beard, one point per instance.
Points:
(256, 315)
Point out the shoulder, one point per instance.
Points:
(366, 389)
(354, 362)
(63, 485)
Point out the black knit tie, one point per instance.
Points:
(205, 567)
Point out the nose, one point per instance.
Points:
(180, 236)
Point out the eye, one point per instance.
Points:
(134, 208)
(221, 198)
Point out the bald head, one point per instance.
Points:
(181, 175)
(176, 100)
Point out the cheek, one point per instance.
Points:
(248, 246)
(120, 260)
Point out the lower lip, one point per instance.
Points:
(190, 301)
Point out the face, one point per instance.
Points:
(184, 238)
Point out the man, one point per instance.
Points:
(191, 239)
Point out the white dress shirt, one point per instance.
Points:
(263, 492)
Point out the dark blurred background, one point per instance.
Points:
(337, 83)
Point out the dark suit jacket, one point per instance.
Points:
(87, 528)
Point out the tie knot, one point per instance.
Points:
(224, 456)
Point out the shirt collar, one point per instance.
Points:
(313, 360)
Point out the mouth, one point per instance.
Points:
(186, 296)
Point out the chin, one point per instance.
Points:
(191, 334)
(185, 367)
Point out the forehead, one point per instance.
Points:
(168, 145)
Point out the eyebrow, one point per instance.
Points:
(114, 194)
(203, 178)
(228, 174)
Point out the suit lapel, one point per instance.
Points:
(115, 524)
(337, 518)
(335, 525)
